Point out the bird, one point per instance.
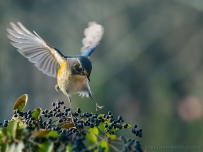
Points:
(72, 72)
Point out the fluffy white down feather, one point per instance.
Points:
(93, 34)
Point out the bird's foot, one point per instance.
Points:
(57, 88)
(72, 118)
(98, 107)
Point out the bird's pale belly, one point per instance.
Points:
(70, 84)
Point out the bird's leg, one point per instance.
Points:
(69, 99)
(97, 105)
(57, 88)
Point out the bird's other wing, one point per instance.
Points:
(93, 35)
(46, 58)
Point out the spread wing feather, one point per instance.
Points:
(46, 58)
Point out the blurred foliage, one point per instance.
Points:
(62, 130)
(149, 61)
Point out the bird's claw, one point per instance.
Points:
(97, 106)
(72, 119)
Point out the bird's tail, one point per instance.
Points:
(93, 35)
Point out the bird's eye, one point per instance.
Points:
(78, 68)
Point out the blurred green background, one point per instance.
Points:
(148, 67)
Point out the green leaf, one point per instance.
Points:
(68, 148)
(94, 130)
(19, 147)
(11, 129)
(101, 127)
(45, 133)
(41, 133)
(1, 134)
(52, 133)
(67, 125)
(20, 125)
(4, 131)
(20, 129)
(91, 137)
(19, 132)
(112, 137)
(36, 113)
(92, 134)
(104, 144)
(46, 146)
(13, 147)
(21, 103)
(4, 147)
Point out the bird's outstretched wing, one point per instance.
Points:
(46, 58)
(93, 35)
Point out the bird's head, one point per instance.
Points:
(81, 65)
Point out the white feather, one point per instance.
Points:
(93, 34)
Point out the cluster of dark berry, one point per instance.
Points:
(25, 116)
(137, 132)
(71, 127)
(5, 124)
(131, 145)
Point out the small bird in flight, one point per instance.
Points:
(72, 72)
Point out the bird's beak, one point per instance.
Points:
(88, 77)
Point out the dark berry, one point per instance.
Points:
(109, 113)
(120, 118)
(67, 109)
(125, 126)
(92, 125)
(60, 120)
(135, 126)
(78, 110)
(5, 125)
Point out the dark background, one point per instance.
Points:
(148, 67)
